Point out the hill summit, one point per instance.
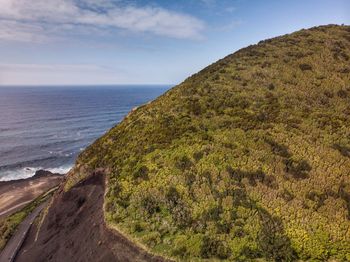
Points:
(247, 159)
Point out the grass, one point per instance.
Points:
(246, 160)
(9, 224)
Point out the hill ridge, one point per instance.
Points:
(247, 159)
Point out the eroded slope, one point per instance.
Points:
(74, 230)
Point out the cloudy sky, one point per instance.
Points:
(72, 42)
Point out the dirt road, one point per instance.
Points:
(10, 251)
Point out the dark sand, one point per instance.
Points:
(15, 194)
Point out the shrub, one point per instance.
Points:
(316, 197)
(189, 177)
(270, 181)
(183, 163)
(342, 93)
(180, 251)
(329, 94)
(195, 107)
(344, 150)
(253, 177)
(172, 197)
(286, 195)
(298, 169)
(212, 248)
(305, 67)
(271, 86)
(151, 239)
(179, 211)
(250, 253)
(344, 193)
(280, 150)
(181, 216)
(213, 214)
(345, 70)
(141, 173)
(198, 155)
(138, 227)
(150, 205)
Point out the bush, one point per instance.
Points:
(305, 67)
(344, 150)
(271, 86)
(151, 239)
(342, 93)
(198, 155)
(150, 205)
(141, 173)
(138, 227)
(280, 150)
(316, 197)
(183, 163)
(344, 193)
(212, 248)
(286, 195)
(172, 197)
(181, 216)
(298, 169)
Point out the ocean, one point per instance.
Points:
(47, 127)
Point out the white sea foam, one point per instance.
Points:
(27, 172)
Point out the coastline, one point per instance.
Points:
(15, 194)
(22, 173)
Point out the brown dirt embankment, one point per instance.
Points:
(74, 230)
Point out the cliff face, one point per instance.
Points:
(249, 158)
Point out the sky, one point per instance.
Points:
(97, 42)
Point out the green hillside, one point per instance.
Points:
(247, 159)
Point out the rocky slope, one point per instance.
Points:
(247, 159)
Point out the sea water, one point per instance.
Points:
(47, 127)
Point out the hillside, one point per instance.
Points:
(73, 229)
(249, 158)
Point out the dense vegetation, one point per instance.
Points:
(247, 159)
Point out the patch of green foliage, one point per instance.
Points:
(9, 224)
(247, 159)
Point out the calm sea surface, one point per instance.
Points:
(47, 127)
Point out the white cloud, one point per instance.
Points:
(61, 74)
(51, 67)
(32, 20)
(21, 32)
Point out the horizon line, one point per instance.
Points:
(81, 85)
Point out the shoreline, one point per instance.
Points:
(24, 173)
(37, 174)
(15, 194)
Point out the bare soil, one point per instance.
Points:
(17, 193)
(74, 230)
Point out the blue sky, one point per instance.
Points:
(77, 42)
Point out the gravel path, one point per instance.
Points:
(11, 249)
